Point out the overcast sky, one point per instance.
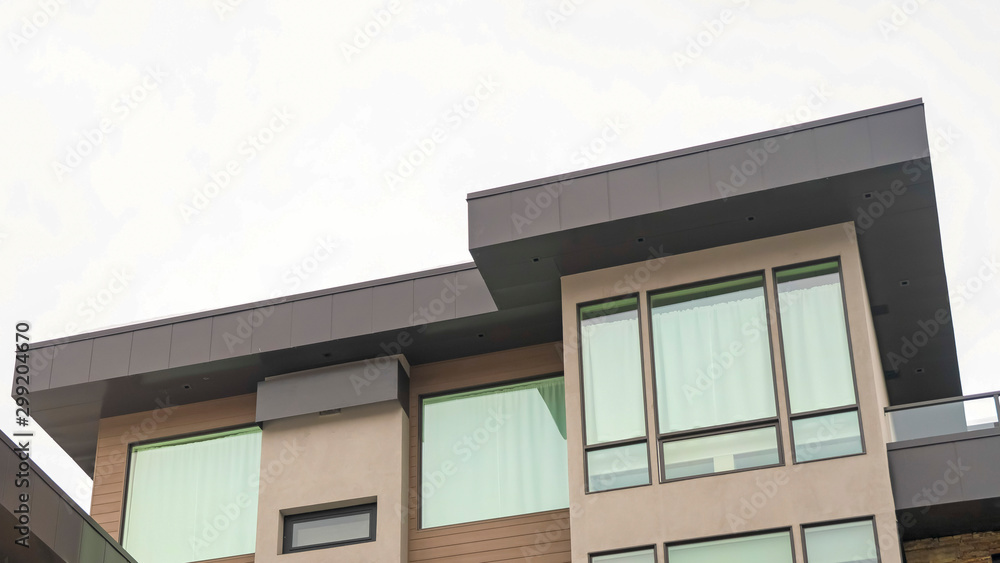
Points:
(160, 158)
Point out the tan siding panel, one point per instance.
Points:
(542, 537)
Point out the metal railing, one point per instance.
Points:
(955, 415)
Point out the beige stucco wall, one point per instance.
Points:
(320, 462)
(751, 500)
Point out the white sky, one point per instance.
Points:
(182, 87)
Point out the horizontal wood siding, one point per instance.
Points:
(539, 538)
(116, 433)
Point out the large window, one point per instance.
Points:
(818, 371)
(845, 542)
(194, 498)
(493, 452)
(774, 547)
(716, 406)
(613, 397)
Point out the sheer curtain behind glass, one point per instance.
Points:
(764, 548)
(814, 336)
(612, 377)
(493, 453)
(178, 490)
(712, 360)
(850, 542)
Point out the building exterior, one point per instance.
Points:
(739, 351)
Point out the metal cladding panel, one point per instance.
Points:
(843, 147)
(92, 546)
(72, 364)
(191, 342)
(474, 297)
(791, 159)
(311, 320)
(584, 201)
(352, 313)
(272, 327)
(434, 298)
(39, 368)
(535, 211)
(898, 136)
(392, 306)
(111, 356)
(633, 191)
(44, 510)
(329, 388)
(489, 220)
(69, 529)
(150, 350)
(684, 180)
(230, 338)
(737, 169)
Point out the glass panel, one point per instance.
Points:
(712, 355)
(814, 338)
(333, 529)
(851, 542)
(720, 452)
(826, 436)
(947, 418)
(193, 499)
(614, 408)
(494, 452)
(764, 548)
(616, 468)
(643, 556)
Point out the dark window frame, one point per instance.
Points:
(732, 427)
(420, 436)
(290, 520)
(591, 556)
(644, 439)
(856, 407)
(184, 436)
(706, 539)
(820, 524)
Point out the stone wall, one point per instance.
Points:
(966, 548)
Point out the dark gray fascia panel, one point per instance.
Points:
(333, 387)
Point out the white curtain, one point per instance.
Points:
(814, 336)
(713, 365)
(193, 499)
(494, 453)
(612, 378)
(765, 548)
(852, 542)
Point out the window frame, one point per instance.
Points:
(420, 438)
(856, 407)
(618, 551)
(767, 422)
(644, 439)
(706, 539)
(171, 438)
(289, 520)
(867, 518)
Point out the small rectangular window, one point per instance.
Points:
(329, 528)
(632, 556)
(846, 542)
(775, 547)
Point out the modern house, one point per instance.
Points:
(741, 351)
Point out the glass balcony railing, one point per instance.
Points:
(956, 415)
